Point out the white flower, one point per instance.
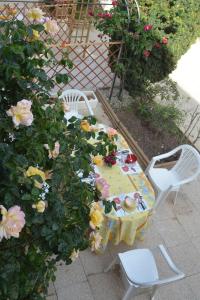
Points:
(21, 113)
(51, 27)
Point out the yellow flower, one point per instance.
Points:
(96, 218)
(35, 14)
(95, 240)
(4, 17)
(36, 35)
(85, 125)
(74, 255)
(97, 160)
(32, 171)
(51, 27)
(11, 11)
(55, 152)
(39, 206)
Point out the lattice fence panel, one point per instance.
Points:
(92, 61)
(92, 64)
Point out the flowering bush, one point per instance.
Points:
(153, 45)
(45, 204)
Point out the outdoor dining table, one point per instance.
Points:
(125, 180)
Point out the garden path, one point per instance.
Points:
(177, 227)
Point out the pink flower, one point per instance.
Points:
(146, 53)
(100, 15)
(148, 27)
(21, 113)
(157, 45)
(90, 13)
(111, 132)
(12, 222)
(108, 15)
(114, 3)
(103, 187)
(164, 40)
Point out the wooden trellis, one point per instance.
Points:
(92, 60)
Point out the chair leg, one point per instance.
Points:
(161, 197)
(111, 265)
(175, 198)
(153, 294)
(128, 293)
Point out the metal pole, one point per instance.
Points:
(115, 75)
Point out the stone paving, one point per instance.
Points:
(176, 226)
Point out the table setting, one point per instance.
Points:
(121, 180)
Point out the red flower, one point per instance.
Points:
(90, 13)
(164, 40)
(146, 53)
(157, 45)
(148, 27)
(108, 15)
(100, 15)
(114, 3)
(110, 160)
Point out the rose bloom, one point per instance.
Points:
(90, 13)
(157, 45)
(35, 14)
(107, 15)
(146, 53)
(111, 132)
(98, 160)
(51, 27)
(103, 187)
(39, 206)
(96, 218)
(12, 222)
(74, 255)
(36, 35)
(32, 171)
(114, 3)
(65, 106)
(55, 152)
(64, 44)
(85, 126)
(21, 113)
(95, 240)
(148, 27)
(11, 11)
(164, 40)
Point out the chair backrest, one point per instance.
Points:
(72, 98)
(188, 164)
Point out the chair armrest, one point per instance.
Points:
(168, 154)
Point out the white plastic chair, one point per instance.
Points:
(72, 98)
(140, 273)
(186, 169)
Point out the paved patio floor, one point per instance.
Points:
(176, 226)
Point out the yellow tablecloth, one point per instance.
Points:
(124, 228)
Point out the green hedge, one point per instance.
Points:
(150, 55)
